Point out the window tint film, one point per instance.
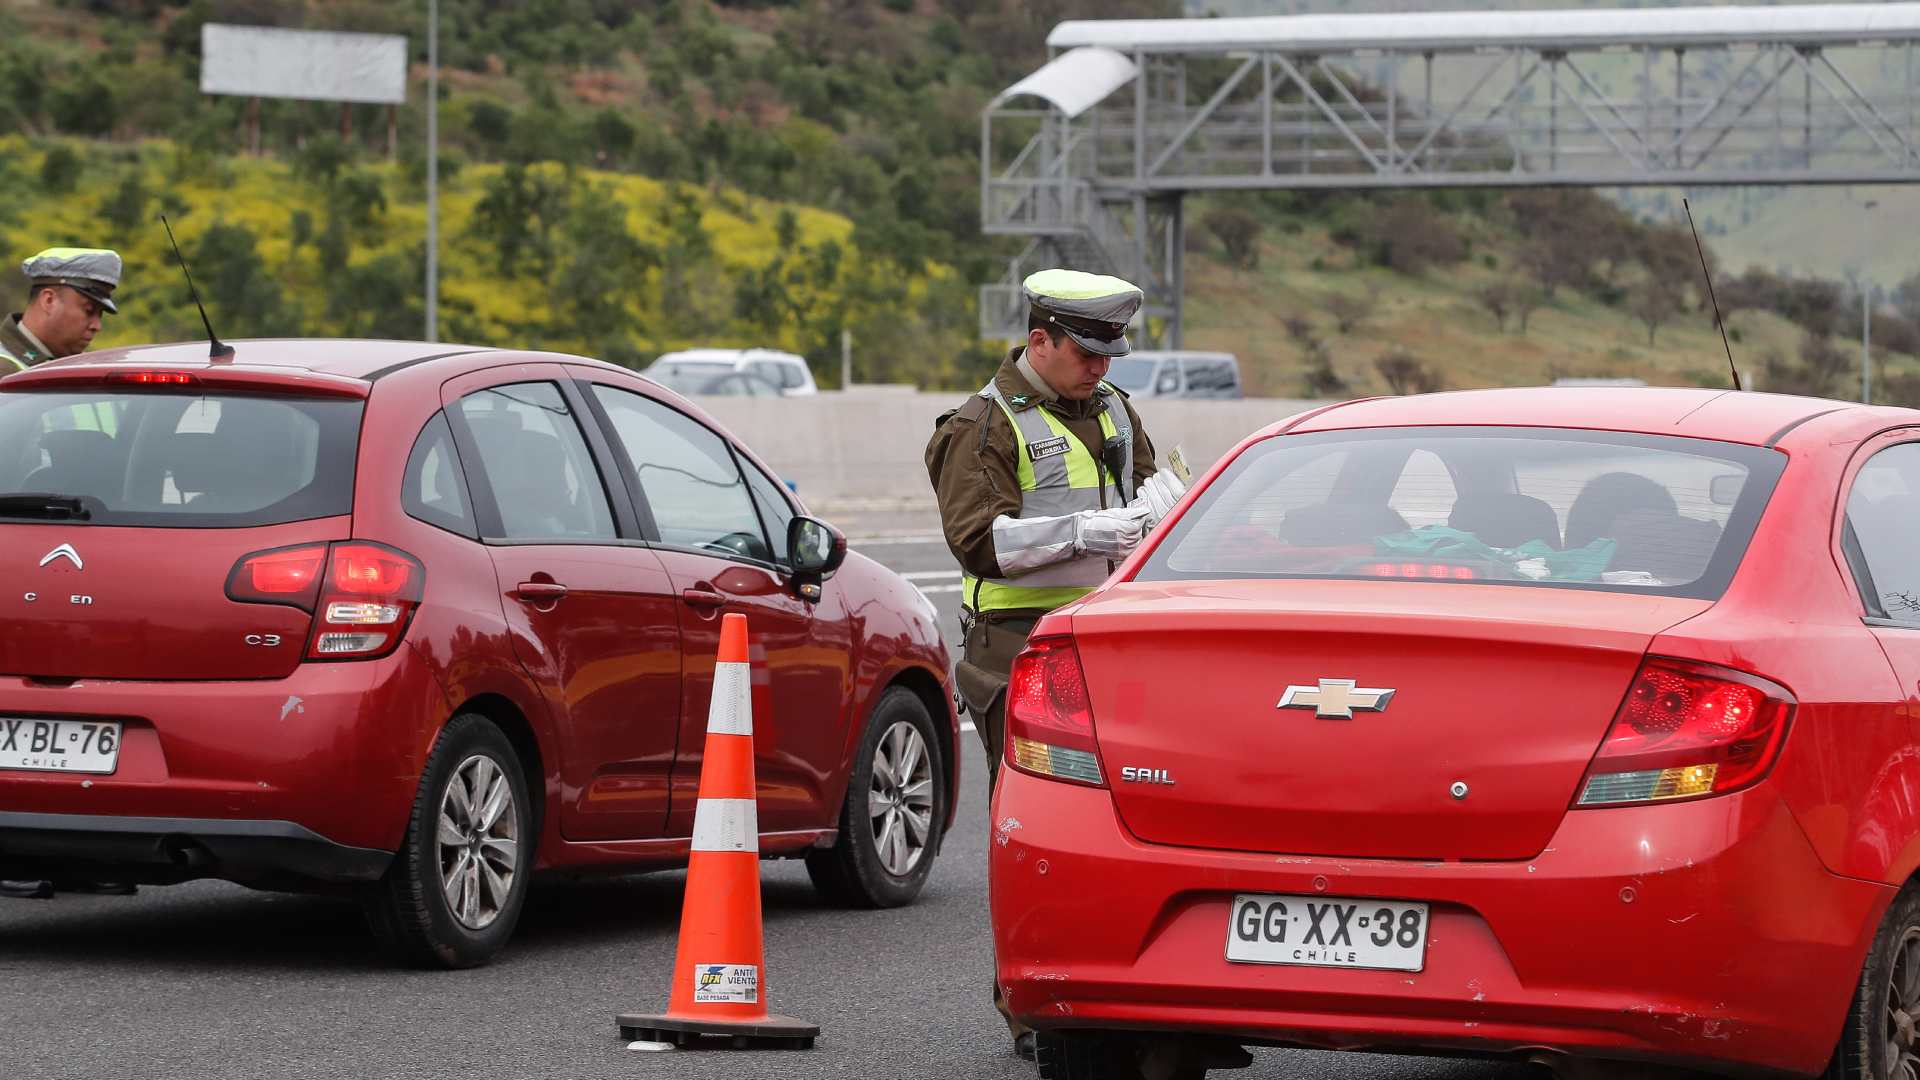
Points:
(687, 475)
(189, 461)
(434, 489)
(537, 464)
(1883, 514)
(1520, 507)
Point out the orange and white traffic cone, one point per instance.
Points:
(719, 985)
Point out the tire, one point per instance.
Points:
(1871, 1046)
(1079, 1055)
(416, 913)
(862, 869)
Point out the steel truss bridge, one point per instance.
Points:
(1131, 115)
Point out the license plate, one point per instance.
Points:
(78, 746)
(1327, 931)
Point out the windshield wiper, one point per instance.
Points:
(51, 507)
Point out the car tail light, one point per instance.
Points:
(363, 595)
(1686, 731)
(1049, 716)
(288, 576)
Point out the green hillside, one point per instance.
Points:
(623, 178)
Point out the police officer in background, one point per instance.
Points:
(68, 290)
(1045, 480)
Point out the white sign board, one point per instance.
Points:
(310, 65)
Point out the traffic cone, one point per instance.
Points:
(719, 983)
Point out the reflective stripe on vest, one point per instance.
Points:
(1058, 476)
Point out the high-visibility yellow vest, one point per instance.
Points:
(1058, 476)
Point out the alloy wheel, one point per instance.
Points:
(1903, 1009)
(477, 841)
(900, 799)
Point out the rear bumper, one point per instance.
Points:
(1705, 933)
(332, 753)
(166, 850)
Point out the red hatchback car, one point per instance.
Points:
(416, 622)
(1572, 725)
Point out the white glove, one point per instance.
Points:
(1110, 534)
(1158, 494)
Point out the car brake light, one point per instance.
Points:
(1686, 731)
(365, 594)
(288, 576)
(1049, 715)
(154, 378)
(368, 598)
(1434, 571)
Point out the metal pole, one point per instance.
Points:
(1866, 312)
(433, 170)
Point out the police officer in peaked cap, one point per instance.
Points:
(1045, 480)
(68, 290)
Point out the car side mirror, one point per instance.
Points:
(817, 550)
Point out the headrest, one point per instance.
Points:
(1608, 496)
(1505, 520)
(71, 448)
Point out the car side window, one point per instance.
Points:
(537, 464)
(1883, 518)
(688, 476)
(433, 489)
(775, 510)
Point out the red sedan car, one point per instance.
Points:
(418, 622)
(1552, 724)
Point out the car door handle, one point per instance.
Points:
(539, 592)
(702, 598)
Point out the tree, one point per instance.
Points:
(597, 277)
(1497, 298)
(1320, 378)
(1412, 236)
(516, 215)
(1528, 297)
(1349, 311)
(1239, 232)
(235, 284)
(1654, 304)
(126, 208)
(1406, 373)
(60, 170)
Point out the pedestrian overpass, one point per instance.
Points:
(1091, 156)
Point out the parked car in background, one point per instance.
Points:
(698, 382)
(1555, 724)
(417, 622)
(783, 369)
(1153, 373)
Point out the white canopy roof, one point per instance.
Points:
(1079, 79)
(1808, 24)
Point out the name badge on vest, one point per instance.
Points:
(1047, 448)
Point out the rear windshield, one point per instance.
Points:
(200, 461)
(1508, 506)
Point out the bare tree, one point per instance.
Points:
(1498, 299)
(1350, 311)
(1527, 298)
(1238, 232)
(1299, 328)
(1406, 373)
(1654, 303)
(1321, 380)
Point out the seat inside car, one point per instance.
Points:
(1504, 519)
(1331, 524)
(79, 462)
(1605, 498)
(529, 474)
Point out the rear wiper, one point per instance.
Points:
(51, 507)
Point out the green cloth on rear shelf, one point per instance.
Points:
(1440, 542)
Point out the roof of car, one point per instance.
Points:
(348, 357)
(1723, 415)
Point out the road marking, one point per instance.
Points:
(930, 589)
(929, 575)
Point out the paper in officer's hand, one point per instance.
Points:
(1177, 462)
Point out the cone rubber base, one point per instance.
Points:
(773, 1033)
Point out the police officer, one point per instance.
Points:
(1045, 480)
(68, 290)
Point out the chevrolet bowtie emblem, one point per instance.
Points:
(1336, 699)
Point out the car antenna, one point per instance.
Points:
(1708, 274)
(216, 351)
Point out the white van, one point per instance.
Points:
(782, 369)
(1181, 374)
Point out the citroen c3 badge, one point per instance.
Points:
(64, 551)
(1336, 699)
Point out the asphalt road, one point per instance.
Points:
(211, 979)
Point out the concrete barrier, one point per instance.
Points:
(865, 445)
